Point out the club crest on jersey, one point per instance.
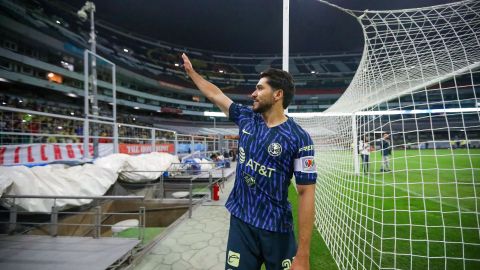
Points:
(274, 149)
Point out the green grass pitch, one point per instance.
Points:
(427, 206)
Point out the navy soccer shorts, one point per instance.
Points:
(248, 247)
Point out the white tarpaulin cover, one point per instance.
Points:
(142, 168)
(113, 162)
(4, 183)
(85, 180)
(205, 164)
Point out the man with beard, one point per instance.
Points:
(272, 148)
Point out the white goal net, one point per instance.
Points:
(398, 155)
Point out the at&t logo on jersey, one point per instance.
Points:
(274, 149)
(241, 154)
(254, 165)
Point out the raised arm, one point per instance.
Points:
(209, 90)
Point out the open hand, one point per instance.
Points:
(186, 63)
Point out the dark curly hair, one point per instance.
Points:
(280, 80)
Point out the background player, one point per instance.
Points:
(386, 152)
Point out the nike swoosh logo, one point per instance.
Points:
(246, 132)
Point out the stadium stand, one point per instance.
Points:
(40, 39)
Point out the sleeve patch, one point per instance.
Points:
(305, 165)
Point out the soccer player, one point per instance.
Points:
(272, 148)
(364, 148)
(386, 152)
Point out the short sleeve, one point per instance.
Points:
(305, 169)
(238, 112)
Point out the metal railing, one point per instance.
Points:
(54, 224)
(22, 126)
(159, 189)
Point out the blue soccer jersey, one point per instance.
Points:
(267, 160)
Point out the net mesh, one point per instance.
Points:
(398, 154)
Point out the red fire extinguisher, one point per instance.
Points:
(216, 189)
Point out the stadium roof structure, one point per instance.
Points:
(247, 26)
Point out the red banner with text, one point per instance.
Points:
(25, 154)
(134, 149)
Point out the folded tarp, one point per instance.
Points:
(85, 180)
(144, 168)
(52, 180)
